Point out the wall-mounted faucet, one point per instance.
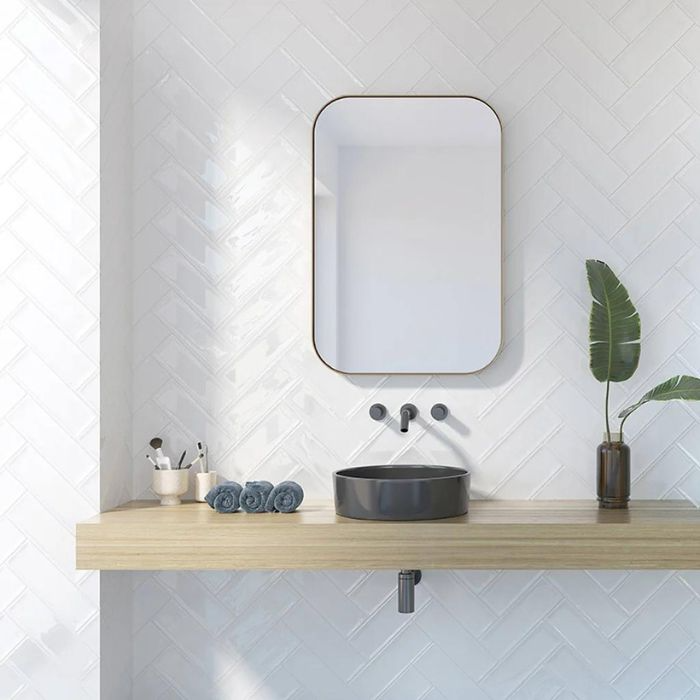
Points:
(378, 412)
(408, 413)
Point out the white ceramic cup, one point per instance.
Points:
(203, 483)
(170, 484)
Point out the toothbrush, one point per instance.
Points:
(162, 461)
(182, 459)
(152, 461)
(202, 457)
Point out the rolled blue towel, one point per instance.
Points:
(254, 496)
(286, 497)
(225, 498)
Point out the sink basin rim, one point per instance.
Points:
(445, 472)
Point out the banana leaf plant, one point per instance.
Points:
(615, 333)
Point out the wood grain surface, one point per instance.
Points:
(143, 535)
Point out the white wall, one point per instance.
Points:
(602, 143)
(49, 346)
(602, 138)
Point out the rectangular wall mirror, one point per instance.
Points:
(407, 235)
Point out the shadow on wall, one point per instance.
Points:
(223, 348)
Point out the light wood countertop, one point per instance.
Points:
(142, 535)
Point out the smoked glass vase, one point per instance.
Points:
(613, 473)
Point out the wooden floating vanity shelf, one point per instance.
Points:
(143, 535)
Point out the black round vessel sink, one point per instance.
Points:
(401, 492)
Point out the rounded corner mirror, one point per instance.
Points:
(407, 235)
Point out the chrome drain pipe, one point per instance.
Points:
(408, 579)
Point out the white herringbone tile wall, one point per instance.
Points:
(600, 102)
(49, 345)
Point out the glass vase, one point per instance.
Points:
(613, 472)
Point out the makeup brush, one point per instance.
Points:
(162, 461)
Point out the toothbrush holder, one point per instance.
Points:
(203, 483)
(170, 484)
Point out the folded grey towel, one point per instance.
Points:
(225, 497)
(286, 497)
(254, 496)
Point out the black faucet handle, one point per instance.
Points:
(377, 411)
(439, 411)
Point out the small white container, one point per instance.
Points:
(170, 484)
(203, 483)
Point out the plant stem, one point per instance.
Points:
(607, 410)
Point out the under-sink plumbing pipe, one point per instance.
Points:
(408, 580)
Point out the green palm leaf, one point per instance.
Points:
(615, 329)
(681, 387)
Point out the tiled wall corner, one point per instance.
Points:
(49, 346)
(116, 344)
(116, 207)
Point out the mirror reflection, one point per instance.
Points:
(407, 234)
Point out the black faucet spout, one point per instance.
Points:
(408, 413)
